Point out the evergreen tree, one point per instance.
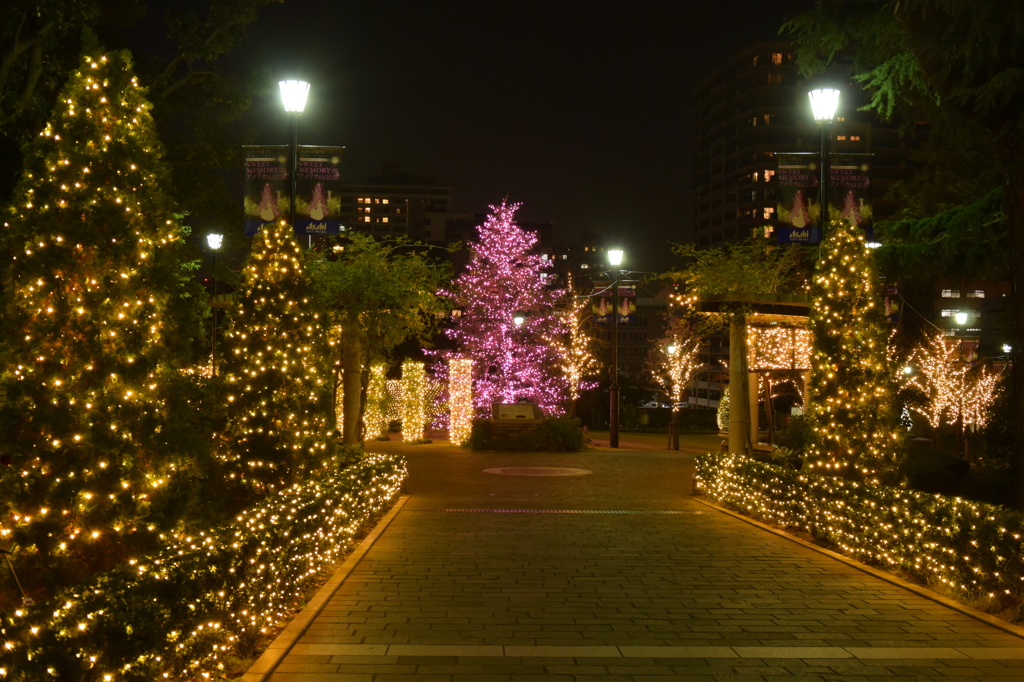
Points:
(502, 279)
(279, 394)
(851, 407)
(98, 312)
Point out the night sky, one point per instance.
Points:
(581, 114)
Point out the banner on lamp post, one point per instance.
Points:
(849, 188)
(318, 190)
(797, 190)
(603, 307)
(266, 186)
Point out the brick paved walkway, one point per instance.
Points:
(488, 596)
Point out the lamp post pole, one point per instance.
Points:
(293, 95)
(615, 259)
(214, 240)
(824, 102)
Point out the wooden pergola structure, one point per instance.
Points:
(746, 311)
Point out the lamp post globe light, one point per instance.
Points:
(294, 94)
(824, 103)
(960, 317)
(615, 260)
(214, 241)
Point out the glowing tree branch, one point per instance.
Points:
(955, 390)
(575, 345)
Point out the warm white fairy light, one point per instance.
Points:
(460, 399)
(227, 585)
(971, 548)
(779, 348)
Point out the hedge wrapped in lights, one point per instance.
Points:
(179, 613)
(971, 548)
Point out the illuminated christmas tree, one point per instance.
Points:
(97, 316)
(279, 396)
(851, 406)
(503, 281)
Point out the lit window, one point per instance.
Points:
(398, 210)
(385, 201)
(584, 266)
(949, 313)
(840, 118)
(768, 175)
(767, 119)
(768, 211)
(753, 121)
(974, 329)
(776, 58)
(366, 219)
(565, 256)
(950, 293)
(855, 138)
(753, 62)
(840, 137)
(543, 256)
(977, 293)
(359, 200)
(384, 219)
(949, 332)
(755, 176)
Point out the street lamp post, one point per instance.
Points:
(293, 95)
(214, 240)
(673, 426)
(615, 260)
(824, 102)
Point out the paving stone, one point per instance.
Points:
(485, 597)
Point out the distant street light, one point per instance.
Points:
(1007, 348)
(615, 260)
(824, 102)
(518, 319)
(214, 241)
(293, 96)
(960, 317)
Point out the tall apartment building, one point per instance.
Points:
(754, 106)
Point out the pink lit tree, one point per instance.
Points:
(505, 283)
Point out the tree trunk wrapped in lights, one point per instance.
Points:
(279, 409)
(460, 399)
(97, 315)
(414, 409)
(376, 416)
(503, 279)
(853, 413)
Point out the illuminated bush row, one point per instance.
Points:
(973, 549)
(180, 613)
